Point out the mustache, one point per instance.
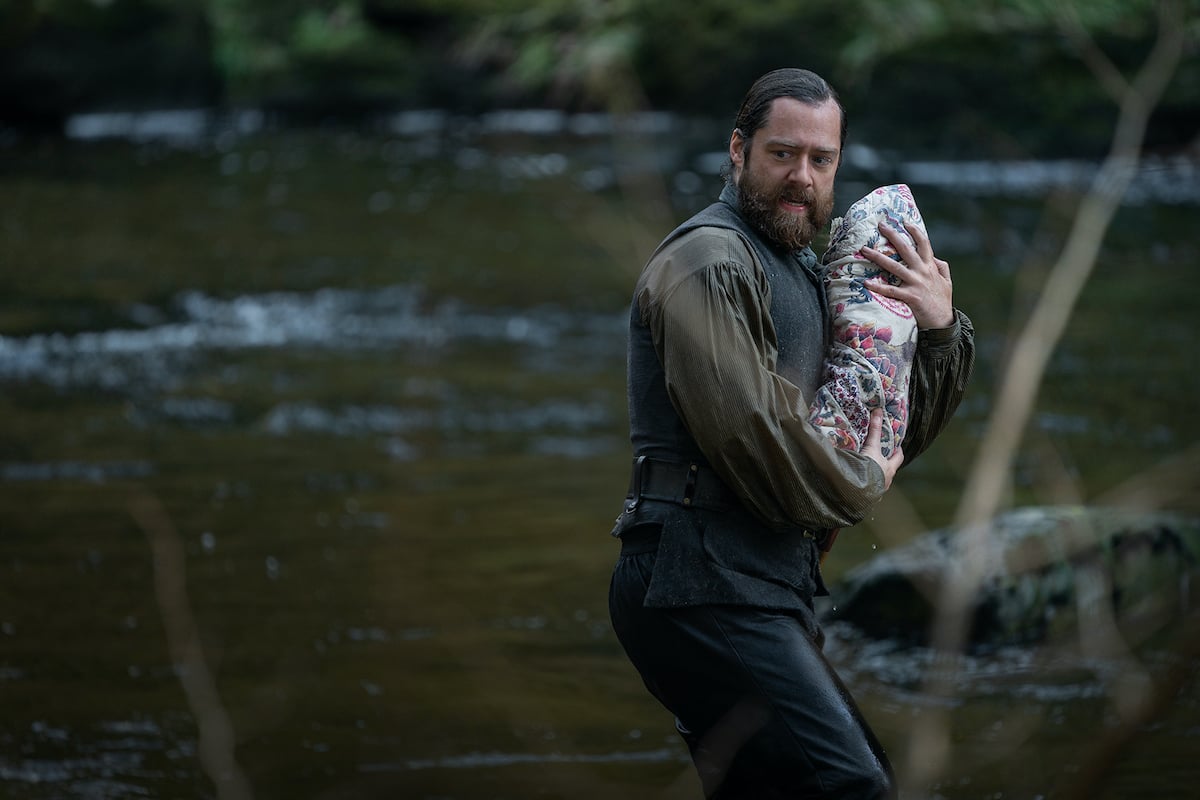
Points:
(805, 198)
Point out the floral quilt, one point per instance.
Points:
(874, 337)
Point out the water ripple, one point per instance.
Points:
(480, 760)
(1170, 180)
(89, 472)
(334, 319)
(359, 420)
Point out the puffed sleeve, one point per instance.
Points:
(941, 369)
(713, 332)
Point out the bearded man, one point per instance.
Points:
(733, 494)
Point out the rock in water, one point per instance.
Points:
(1045, 572)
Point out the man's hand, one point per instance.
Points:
(924, 279)
(873, 450)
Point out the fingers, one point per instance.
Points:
(886, 265)
(914, 252)
(874, 431)
(919, 259)
(924, 246)
(872, 449)
(882, 260)
(943, 268)
(902, 244)
(923, 279)
(910, 257)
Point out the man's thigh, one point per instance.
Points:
(766, 715)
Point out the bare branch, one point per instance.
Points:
(217, 740)
(1174, 481)
(989, 478)
(1109, 77)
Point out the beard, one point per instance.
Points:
(759, 204)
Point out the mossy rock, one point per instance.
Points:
(1047, 573)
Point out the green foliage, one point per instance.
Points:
(244, 51)
(274, 48)
(565, 51)
(708, 52)
(58, 56)
(990, 64)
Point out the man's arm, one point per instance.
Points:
(943, 364)
(717, 343)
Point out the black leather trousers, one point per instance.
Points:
(762, 712)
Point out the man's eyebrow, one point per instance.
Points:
(792, 144)
(778, 142)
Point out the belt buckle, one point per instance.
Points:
(689, 484)
(635, 487)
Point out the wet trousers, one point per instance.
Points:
(761, 710)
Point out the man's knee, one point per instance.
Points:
(872, 782)
(769, 771)
(869, 785)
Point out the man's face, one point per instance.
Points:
(785, 176)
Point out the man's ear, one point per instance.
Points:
(737, 147)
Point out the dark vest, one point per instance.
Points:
(801, 321)
(727, 557)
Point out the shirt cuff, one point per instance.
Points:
(939, 341)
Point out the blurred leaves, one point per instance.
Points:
(271, 48)
(566, 50)
(991, 65)
(886, 27)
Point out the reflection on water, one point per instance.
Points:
(388, 317)
(111, 759)
(91, 472)
(1159, 179)
(1174, 180)
(476, 760)
(375, 379)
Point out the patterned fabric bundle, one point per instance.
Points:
(874, 337)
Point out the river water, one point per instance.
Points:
(312, 439)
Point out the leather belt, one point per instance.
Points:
(690, 485)
(693, 485)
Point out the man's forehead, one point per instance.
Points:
(792, 123)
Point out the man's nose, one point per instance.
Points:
(801, 173)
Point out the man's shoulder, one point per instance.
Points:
(692, 252)
(699, 248)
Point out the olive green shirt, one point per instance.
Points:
(707, 302)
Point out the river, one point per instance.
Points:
(312, 439)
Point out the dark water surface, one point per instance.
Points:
(310, 444)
